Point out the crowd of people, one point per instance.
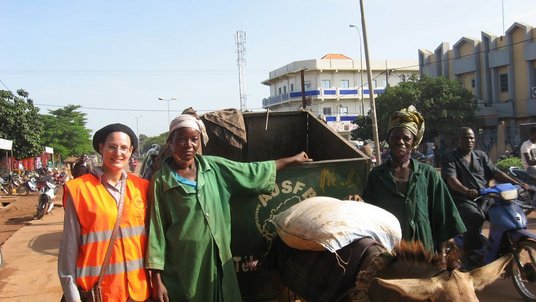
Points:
(167, 237)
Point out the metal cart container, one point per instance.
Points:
(338, 170)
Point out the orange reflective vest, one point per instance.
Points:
(97, 212)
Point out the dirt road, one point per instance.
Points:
(30, 251)
(18, 211)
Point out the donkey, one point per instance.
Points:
(408, 273)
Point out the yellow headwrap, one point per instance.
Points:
(409, 119)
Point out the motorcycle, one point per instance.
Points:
(5, 189)
(13, 184)
(508, 234)
(45, 202)
(528, 198)
(423, 158)
(31, 185)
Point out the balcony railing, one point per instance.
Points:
(324, 93)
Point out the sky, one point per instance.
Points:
(117, 58)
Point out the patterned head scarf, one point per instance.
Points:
(188, 121)
(409, 119)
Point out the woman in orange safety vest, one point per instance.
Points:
(91, 209)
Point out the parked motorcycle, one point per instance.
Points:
(31, 185)
(5, 189)
(13, 183)
(45, 202)
(508, 234)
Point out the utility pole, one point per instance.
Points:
(371, 90)
(361, 69)
(302, 76)
(138, 133)
(386, 75)
(240, 40)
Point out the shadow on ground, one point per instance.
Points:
(47, 244)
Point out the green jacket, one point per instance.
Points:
(427, 213)
(190, 228)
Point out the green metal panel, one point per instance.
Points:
(251, 227)
(338, 170)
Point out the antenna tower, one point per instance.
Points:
(240, 40)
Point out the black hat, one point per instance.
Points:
(101, 135)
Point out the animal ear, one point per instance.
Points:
(418, 289)
(487, 274)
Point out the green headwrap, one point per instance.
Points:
(409, 119)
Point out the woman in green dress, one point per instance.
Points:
(412, 191)
(189, 253)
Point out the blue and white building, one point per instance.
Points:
(335, 87)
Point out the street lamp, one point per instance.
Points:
(168, 101)
(138, 133)
(361, 72)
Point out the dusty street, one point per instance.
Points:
(30, 250)
(16, 212)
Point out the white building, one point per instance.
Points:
(335, 87)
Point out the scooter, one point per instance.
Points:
(508, 234)
(13, 184)
(30, 185)
(45, 203)
(528, 197)
(4, 187)
(520, 173)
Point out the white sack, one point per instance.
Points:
(320, 223)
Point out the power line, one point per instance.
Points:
(5, 86)
(87, 72)
(103, 108)
(128, 109)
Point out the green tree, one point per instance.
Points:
(444, 104)
(21, 122)
(364, 127)
(66, 132)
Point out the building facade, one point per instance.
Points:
(501, 74)
(334, 87)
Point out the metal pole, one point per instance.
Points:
(138, 133)
(168, 101)
(302, 77)
(361, 75)
(168, 119)
(361, 68)
(371, 90)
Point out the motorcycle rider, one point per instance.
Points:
(466, 171)
(528, 153)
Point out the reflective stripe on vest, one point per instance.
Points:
(97, 212)
(118, 268)
(105, 235)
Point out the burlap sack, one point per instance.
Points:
(325, 223)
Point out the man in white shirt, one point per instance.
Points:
(528, 151)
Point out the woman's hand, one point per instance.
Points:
(301, 157)
(159, 290)
(296, 159)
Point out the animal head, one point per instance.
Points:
(452, 286)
